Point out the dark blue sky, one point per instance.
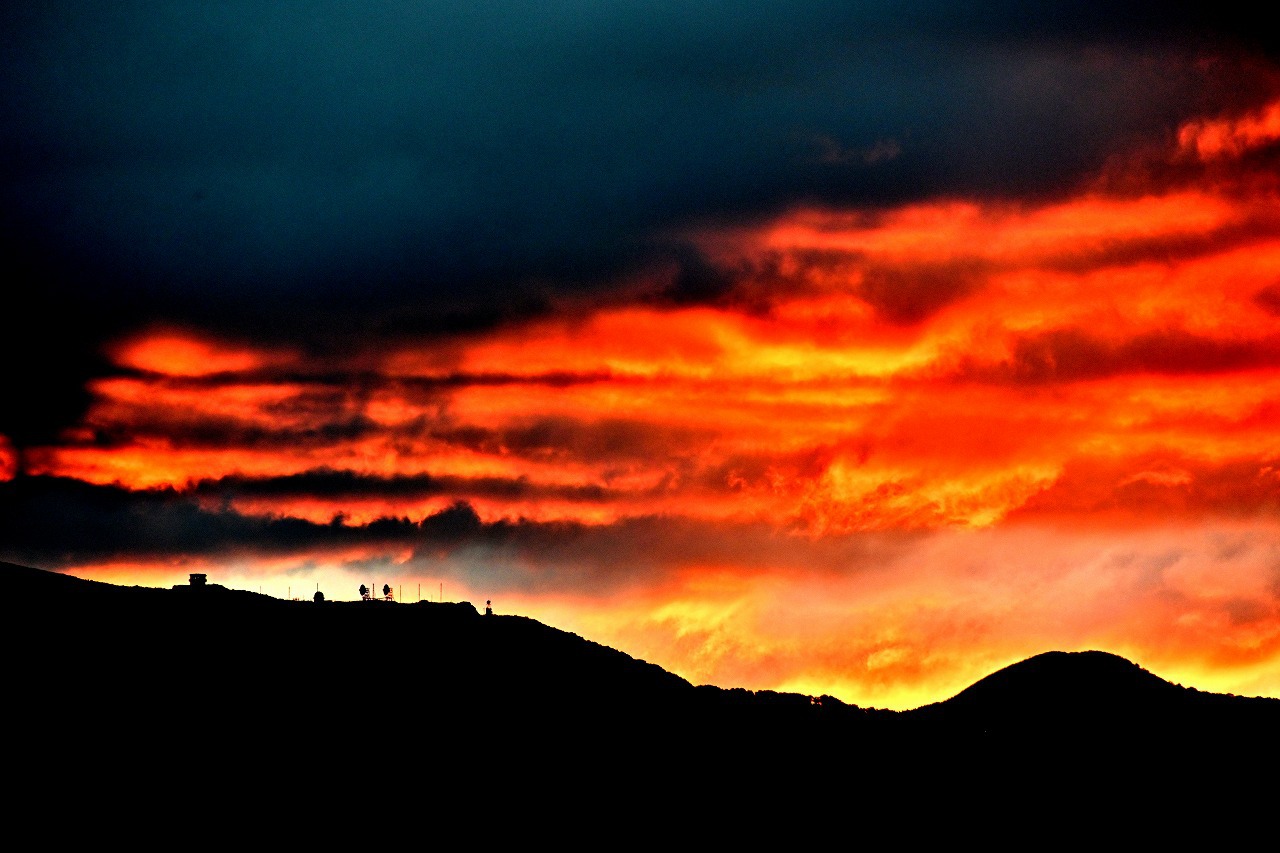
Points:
(320, 172)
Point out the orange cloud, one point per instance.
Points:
(8, 459)
(1231, 137)
(792, 414)
(1064, 414)
(183, 353)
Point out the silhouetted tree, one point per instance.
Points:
(386, 590)
(364, 591)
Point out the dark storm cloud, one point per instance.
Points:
(643, 551)
(54, 523)
(330, 484)
(551, 438)
(325, 172)
(323, 385)
(228, 433)
(1072, 355)
(901, 293)
(909, 294)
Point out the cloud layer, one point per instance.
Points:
(841, 350)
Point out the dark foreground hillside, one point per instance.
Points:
(205, 695)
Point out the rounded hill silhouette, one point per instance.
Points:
(1058, 683)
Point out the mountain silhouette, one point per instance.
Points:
(1098, 720)
(211, 649)
(1093, 692)
(176, 691)
(1056, 677)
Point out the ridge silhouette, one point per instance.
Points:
(195, 684)
(198, 638)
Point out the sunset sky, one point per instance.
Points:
(856, 349)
